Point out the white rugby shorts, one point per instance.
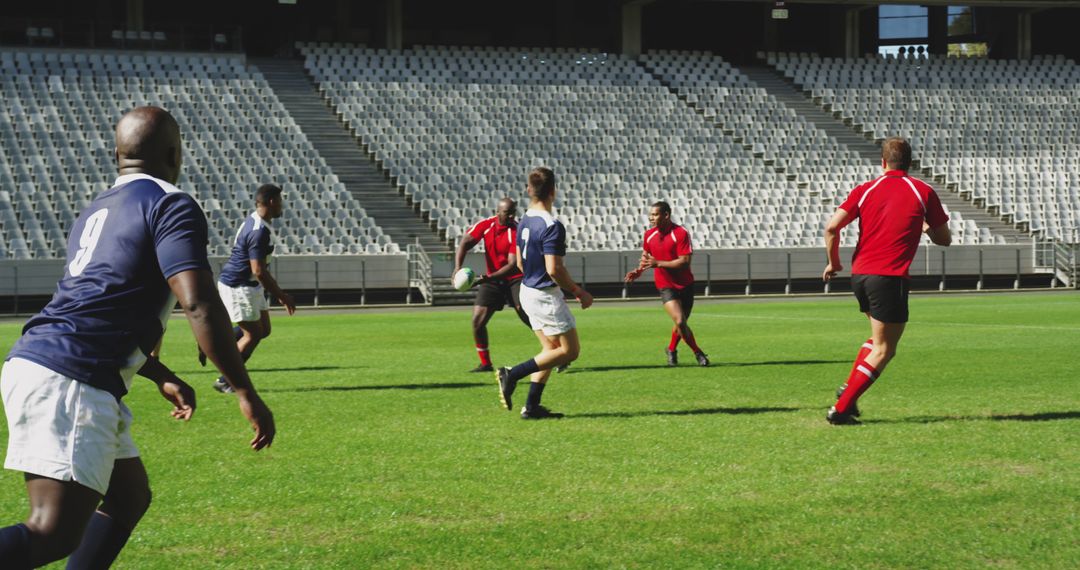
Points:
(61, 428)
(547, 310)
(245, 304)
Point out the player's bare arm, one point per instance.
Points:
(263, 276)
(503, 272)
(832, 243)
(171, 387)
(940, 235)
(680, 262)
(198, 297)
(467, 243)
(557, 270)
(517, 259)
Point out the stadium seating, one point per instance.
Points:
(1005, 131)
(459, 128)
(57, 112)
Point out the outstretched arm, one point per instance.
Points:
(195, 291)
(558, 272)
(467, 243)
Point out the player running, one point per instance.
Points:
(666, 249)
(893, 212)
(132, 253)
(502, 284)
(541, 246)
(245, 278)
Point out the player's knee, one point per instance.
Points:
(266, 332)
(884, 351)
(571, 352)
(57, 537)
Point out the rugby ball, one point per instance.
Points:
(463, 280)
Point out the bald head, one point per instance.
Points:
(506, 211)
(148, 142)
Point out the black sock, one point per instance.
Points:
(238, 333)
(536, 391)
(15, 546)
(101, 543)
(524, 369)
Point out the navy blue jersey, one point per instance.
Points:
(539, 234)
(252, 242)
(112, 304)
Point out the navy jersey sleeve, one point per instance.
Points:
(259, 247)
(554, 240)
(180, 234)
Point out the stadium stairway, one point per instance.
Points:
(354, 167)
(851, 136)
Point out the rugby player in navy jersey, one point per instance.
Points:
(501, 285)
(135, 251)
(245, 279)
(541, 246)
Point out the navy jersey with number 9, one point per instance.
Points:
(111, 305)
(539, 234)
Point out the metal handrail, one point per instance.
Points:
(420, 277)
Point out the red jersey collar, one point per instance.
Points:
(899, 173)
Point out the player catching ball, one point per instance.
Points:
(666, 249)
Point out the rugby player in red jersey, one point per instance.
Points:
(667, 251)
(501, 285)
(893, 212)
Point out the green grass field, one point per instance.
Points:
(389, 455)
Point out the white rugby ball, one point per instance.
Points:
(463, 280)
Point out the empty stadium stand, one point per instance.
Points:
(459, 128)
(57, 112)
(1003, 133)
(365, 182)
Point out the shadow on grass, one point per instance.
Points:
(694, 412)
(303, 368)
(712, 365)
(1040, 417)
(439, 386)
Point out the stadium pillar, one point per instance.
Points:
(394, 24)
(938, 30)
(630, 36)
(135, 15)
(1023, 35)
(852, 32)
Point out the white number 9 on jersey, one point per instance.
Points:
(87, 242)
(525, 240)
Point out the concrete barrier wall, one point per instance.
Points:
(39, 277)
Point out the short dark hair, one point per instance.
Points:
(267, 192)
(897, 153)
(541, 183)
(665, 208)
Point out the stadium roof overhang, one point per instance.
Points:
(996, 3)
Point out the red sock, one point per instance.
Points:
(862, 377)
(674, 340)
(692, 343)
(863, 352)
(485, 356)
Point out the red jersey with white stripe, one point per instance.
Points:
(499, 243)
(666, 246)
(891, 211)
